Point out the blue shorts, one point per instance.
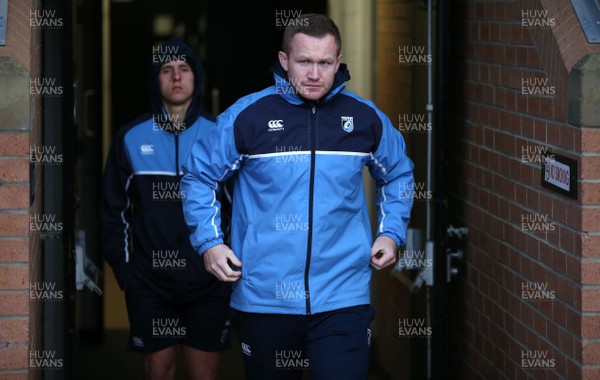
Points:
(329, 345)
(157, 323)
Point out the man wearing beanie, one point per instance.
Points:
(171, 298)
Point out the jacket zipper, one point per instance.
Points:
(176, 153)
(312, 133)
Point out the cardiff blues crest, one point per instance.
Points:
(348, 123)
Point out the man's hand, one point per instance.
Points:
(216, 261)
(383, 252)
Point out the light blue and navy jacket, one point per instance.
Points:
(300, 223)
(144, 236)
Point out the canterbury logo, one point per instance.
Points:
(137, 341)
(275, 125)
(246, 349)
(147, 149)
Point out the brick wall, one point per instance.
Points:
(527, 298)
(19, 250)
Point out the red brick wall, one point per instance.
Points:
(498, 129)
(19, 250)
(393, 28)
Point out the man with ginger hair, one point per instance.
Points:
(301, 249)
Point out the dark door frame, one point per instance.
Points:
(440, 299)
(57, 190)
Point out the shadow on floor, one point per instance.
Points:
(111, 361)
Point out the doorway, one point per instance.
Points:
(113, 45)
(237, 44)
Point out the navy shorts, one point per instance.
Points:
(329, 345)
(157, 323)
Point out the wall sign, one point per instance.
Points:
(3, 20)
(559, 174)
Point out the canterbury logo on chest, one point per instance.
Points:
(275, 125)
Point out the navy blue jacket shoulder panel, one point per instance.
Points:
(299, 215)
(144, 233)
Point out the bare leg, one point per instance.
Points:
(160, 365)
(201, 365)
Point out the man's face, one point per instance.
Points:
(311, 64)
(176, 81)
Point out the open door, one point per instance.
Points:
(58, 132)
(87, 41)
(431, 258)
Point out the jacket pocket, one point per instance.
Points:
(365, 244)
(245, 251)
